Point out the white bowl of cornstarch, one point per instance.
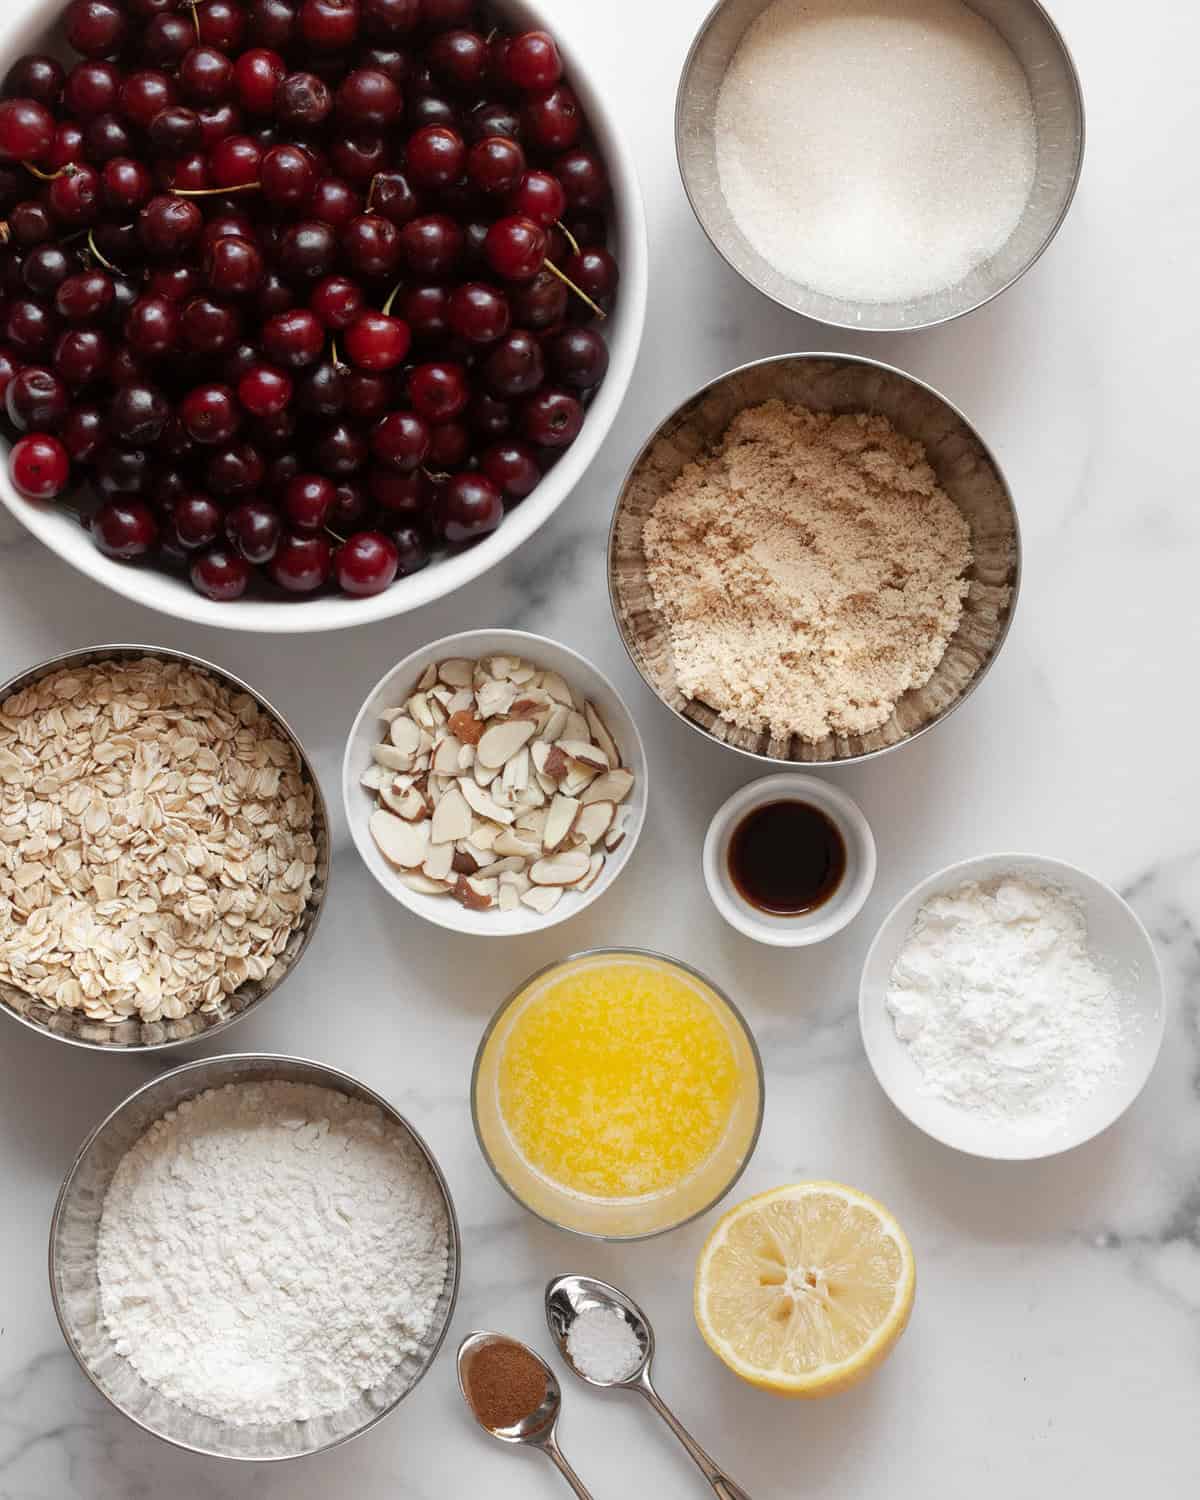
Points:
(1012, 1006)
(880, 164)
(254, 1257)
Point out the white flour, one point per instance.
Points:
(269, 1251)
(1002, 1006)
(876, 150)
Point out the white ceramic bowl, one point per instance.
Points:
(1115, 936)
(26, 28)
(396, 686)
(852, 891)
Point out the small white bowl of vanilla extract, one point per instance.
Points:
(789, 860)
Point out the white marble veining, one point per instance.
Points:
(1055, 1345)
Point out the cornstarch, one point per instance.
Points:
(876, 150)
(1001, 1004)
(269, 1251)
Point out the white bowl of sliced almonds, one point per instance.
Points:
(494, 782)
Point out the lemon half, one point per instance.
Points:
(803, 1290)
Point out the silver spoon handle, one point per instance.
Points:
(554, 1452)
(717, 1477)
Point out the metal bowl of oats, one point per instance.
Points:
(164, 848)
(815, 559)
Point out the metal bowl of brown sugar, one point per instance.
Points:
(965, 469)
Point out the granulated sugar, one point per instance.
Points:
(810, 571)
(876, 150)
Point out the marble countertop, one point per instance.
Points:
(1055, 1344)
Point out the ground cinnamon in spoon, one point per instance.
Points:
(505, 1383)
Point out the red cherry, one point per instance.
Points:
(39, 467)
(263, 391)
(516, 248)
(221, 574)
(377, 341)
(366, 564)
(301, 563)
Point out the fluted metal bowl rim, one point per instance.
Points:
(862, 756)
(93, 655)
(342, 1082)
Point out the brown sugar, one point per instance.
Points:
(810, 571)
(505, 1383)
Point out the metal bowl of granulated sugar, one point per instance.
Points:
(880, 167)
(216, 1284)
(827, 387)
(169, 790)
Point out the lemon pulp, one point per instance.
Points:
(617, 1079)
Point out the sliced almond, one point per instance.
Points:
(451, 818)
(418, 707)
(556, 765)
(594, 820)
(542, 899)
(557, 688)
(445, 757)
(428, 678)
(517, 879)
(483, 834)
(533, 822)
(509, 898)
(393, 759)
(482, 857)
(532, 795)
(401, 844)
(561, 869)
(405, 735)
(522, 673)
(527, 707)
(486, 806)
(409, 805)
(556, 723)
(463, 701)
(467, 891)
(593, 873)
(558, 822)
(511, 864)
(523, 846)
(439, 861)
(494, 698)
(586, 754)
(456, 671)
(613, 787)
(577, 777)
(483, 775)
(502, 667)
(415, 881)
(375, 777)
(466, 757)
(613, 838)
(576, 727)
(463, 863)
(466, 726)
(600, 733)
(516, 770)
(500, 742)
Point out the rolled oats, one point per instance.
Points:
(156, 840)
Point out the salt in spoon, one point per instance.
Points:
(538, 1428)
(566, 1298)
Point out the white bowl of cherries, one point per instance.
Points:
(305, 302)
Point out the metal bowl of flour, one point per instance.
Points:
(1058, 117)
(74, 1233)
(966, 469)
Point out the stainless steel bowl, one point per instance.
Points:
(1059, 117)
(134, 1035)
(74, 1231)
(966, 470)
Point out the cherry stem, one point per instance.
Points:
(68, 170)
(334, 357)
(103, 259)
(329, 531)
(238, 187)
(370, 193)
(571, 240)
(391, 297)
(5, 232)
(567, 282)
(435, 476)
(194, 7)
